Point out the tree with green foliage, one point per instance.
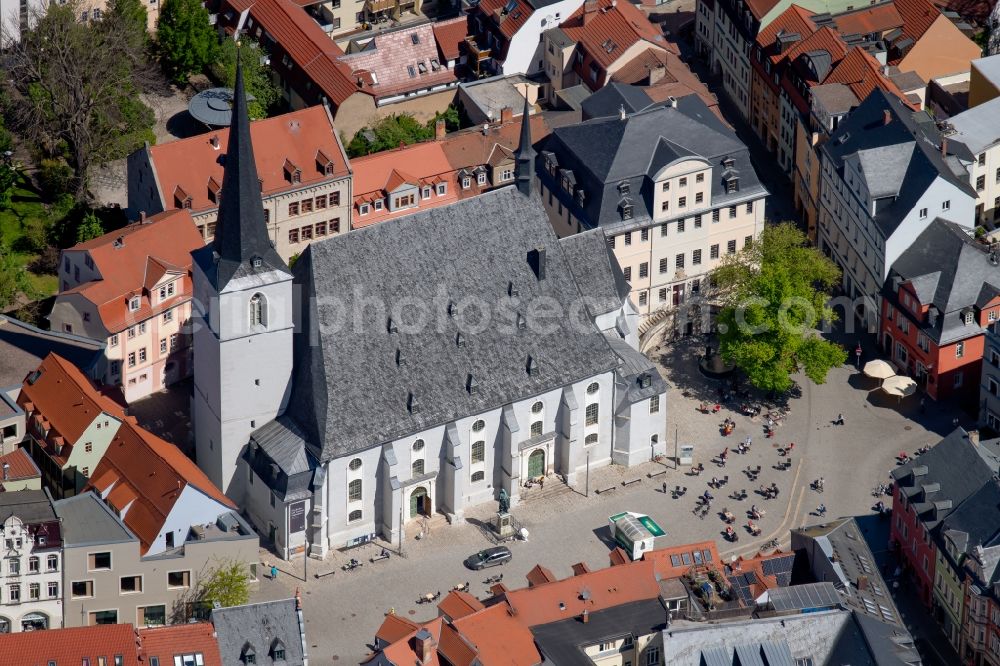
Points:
(13, 279)
(187, 41)
(131, 15)
(256, 75)
(452, 119)
(228, 583)
(774, 294)
(90, 227)
(72, 90)
(388, 133)
(8, 179)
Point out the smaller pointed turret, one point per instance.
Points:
(525, 169)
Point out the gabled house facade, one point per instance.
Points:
(941, 295)
(886, 174)
(671, 186)
(31, 553)
(131, 290)
(599, 39)
(506, 35)
(69, 424)
(305, 179)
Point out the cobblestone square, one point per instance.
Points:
(565, 526)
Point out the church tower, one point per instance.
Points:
(242, 321)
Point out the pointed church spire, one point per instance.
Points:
(525, 170)
(241, 240)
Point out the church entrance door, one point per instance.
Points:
(536, 464)
(420, 502)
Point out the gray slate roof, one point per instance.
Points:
(87, 520)
(863, 130)
(278, 455)
(608, 101)
(349, 391)
(31, 506)
(951, 271)
(596, 270)
(977, 127)
(259, 625)
(837, 552)
(604, 152)
(975, 525)
(22, 348)
(945, 476)
(634, 367)
(562, 642)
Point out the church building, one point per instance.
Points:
(414, 367)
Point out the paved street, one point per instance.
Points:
(566, 527)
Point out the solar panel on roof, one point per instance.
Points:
(510, 6)
(778, 565)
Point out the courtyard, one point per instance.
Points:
(566, 525)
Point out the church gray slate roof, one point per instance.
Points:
(366, 374)
(259, 627)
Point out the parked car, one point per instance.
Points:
(490, 557)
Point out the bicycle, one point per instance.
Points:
(769, 545)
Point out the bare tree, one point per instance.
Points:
(72, 88)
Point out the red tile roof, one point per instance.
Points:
(19, 466)
(301, 137)
(499, 637)
(140, 466)
(509, 23)
(306, 43)
(459, 604)
(470, 148)
(401, 61)
(178, 639)
(71, 646)
(65, 399)
(608, 31)
(795, 20)
(395, 627)
(449, 36)
(862, 73)
(917, 15)
(876, 18)
(760, 7)
(131, 260)
(608, 587)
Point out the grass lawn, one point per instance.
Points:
(27, 215)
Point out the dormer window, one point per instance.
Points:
(214, 190)
(324, 164)
(248, 655)
(728, 163)
(134, 303)
(969, 317)
(292, 172)
(181, 198)
(626, 208)
(277, 650)
(624, 187)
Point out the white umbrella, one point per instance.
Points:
(899, 386)
(878, 369)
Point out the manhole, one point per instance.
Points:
(411, 612)
(907, 427)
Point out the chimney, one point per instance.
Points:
(886, 117)
(585, 616)
(6, 471)
(862, 583)
(506, 114)
(439, 129)
(215, 142)
(973, 439)
(944, 147)
(589, 6)
(536, 259)
(673, 102)
(932, 315)
(486, 129)
(142, 217)
(424, 646)
(621, 111)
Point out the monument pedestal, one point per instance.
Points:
(503, 525)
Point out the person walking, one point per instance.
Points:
(664, 487)
(821, 510)
(274, 572)
(820, 484)
(840, 419)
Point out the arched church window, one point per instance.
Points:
(258, 310)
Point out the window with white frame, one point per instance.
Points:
(654, 404)
(478, 451)
(442, 188)
(592, 414)
(354, 491)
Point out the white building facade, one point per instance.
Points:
(30, 563)
(880, 193)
